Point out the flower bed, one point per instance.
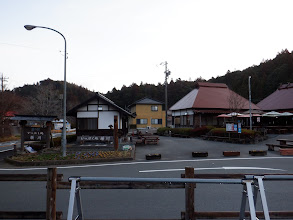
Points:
(72, 156)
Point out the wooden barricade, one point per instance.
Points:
(54, 182)
(50, 214)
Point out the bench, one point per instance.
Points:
(272, 146)
(151, 139)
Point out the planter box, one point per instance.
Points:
(231, 153)
(153, 156)
(286, 151)
(258, 152)
(200, 154)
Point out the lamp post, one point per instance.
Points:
(29, 28)
(250, 119)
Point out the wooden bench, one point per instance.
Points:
(284, 141)
(272, 146)
(151, 139)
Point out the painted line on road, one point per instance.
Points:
(213, 168)
(147, 162)
(3, 151)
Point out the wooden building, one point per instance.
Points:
(203, 104)
(95, 118)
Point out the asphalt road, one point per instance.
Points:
(166, 203)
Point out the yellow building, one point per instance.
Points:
(149, 113)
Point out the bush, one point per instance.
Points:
(197, 132)
(163, 131)
(245, 133)
(69, 138)
(132, 126)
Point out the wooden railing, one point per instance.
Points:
(54, 182)
(52, 178)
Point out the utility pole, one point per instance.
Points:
(3, 80)
(167, 74)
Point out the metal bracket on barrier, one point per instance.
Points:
(257, 182)
(247, 192)
(74, 194)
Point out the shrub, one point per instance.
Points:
(197, 132)
(132, 126)
(69, 138)
(163, 131)
(245, 133)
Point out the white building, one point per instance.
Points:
(95, 118)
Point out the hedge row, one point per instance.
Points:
(206, 130)
(192, 132)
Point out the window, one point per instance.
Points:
(154, 108)
(87, 123)
(142, 121)
(156, 121)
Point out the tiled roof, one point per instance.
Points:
(147, 101)
(281, 99)
(96, 96)
(211, 96)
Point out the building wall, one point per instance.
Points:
(145, 112)
(102, 112)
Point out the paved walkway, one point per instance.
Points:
(172, 148)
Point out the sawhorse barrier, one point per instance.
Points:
(251, 186)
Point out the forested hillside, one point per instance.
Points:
(265, 78)
(44, 97)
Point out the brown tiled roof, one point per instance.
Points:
(210, 96)
(281, 99)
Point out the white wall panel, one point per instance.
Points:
(87, 114)
(107, 118)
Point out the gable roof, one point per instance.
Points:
(146, 101)
(210, 96)
(98, 95)
(281, 99)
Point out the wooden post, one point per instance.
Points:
(22, 124)
(51, 193)
(189, 195)
(116, 132)
(14, 150)
(48, 133)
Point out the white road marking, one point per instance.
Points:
(148, 162)
(213, 168)
(6, 150)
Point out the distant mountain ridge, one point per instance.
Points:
(265, 79)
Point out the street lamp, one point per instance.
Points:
(29, 28)
(250, 116)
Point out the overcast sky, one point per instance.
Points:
(111, 43)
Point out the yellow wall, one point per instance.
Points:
(145, 112)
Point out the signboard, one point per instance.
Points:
(233, 127)
(239, 128)
(34, 134)
(230, 127)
